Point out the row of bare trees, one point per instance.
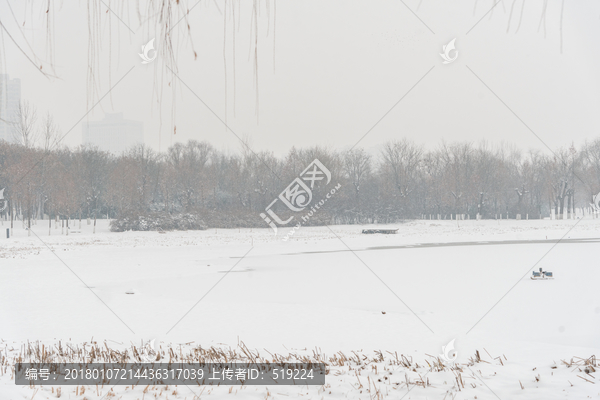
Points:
(403, 181)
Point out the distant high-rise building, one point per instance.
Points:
(113, 133)
(10, 98)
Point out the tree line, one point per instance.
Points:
(404, 180)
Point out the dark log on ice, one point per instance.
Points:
(384, 231)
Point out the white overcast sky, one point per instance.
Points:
(339, 67)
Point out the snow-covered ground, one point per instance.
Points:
(326, 290)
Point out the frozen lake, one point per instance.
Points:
(333, 289)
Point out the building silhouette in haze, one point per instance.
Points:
(10, 98)
(113, 133)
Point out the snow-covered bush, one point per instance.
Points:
(157, 222)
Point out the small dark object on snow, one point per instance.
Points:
(383, 312)
(541, 275)
(384, 231)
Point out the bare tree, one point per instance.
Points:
(357, 167)
(25, 119)
(50, 133)
(590, 160)
(401, 159)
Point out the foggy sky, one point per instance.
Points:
(335, 69)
